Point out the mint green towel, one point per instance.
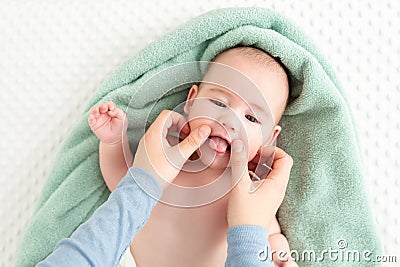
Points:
(325, 205)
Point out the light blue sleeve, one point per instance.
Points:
(102, 240)
(248, 246)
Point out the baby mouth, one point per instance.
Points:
(218, 144)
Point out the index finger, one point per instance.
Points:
(282, 160)
(238, 164)
(280, 173)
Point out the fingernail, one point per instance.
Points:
(237, 146)
(204, 131)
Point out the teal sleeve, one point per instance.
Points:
(102, 240)
(248, 246)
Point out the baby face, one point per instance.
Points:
(245, 107)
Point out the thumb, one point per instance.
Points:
(239, 164)
(193, 141)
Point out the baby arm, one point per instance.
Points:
(110, 124)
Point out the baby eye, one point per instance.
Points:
(218, 103)
(252, 118)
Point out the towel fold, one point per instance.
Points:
(325, 206)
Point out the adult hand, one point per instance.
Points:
(156, 155)
(257, 207)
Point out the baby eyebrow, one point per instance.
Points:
(252, 105)
(260, 109)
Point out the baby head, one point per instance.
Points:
(239, 113)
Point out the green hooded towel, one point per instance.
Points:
(325, 207)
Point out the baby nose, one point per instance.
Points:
(229, 126)
(231, 123)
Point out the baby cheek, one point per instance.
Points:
(255, 142)
(252, 153)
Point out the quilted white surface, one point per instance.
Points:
(54, 54)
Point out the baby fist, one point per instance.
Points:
(108, 122)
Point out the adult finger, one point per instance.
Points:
(279, 175)
(193, 141)
(282, 163)
(239, 164)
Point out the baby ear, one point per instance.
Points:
(277, 130)
(191, 95)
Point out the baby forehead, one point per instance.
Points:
(228, 80)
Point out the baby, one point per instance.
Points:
(176, 236)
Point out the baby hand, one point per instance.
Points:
(108, 122)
